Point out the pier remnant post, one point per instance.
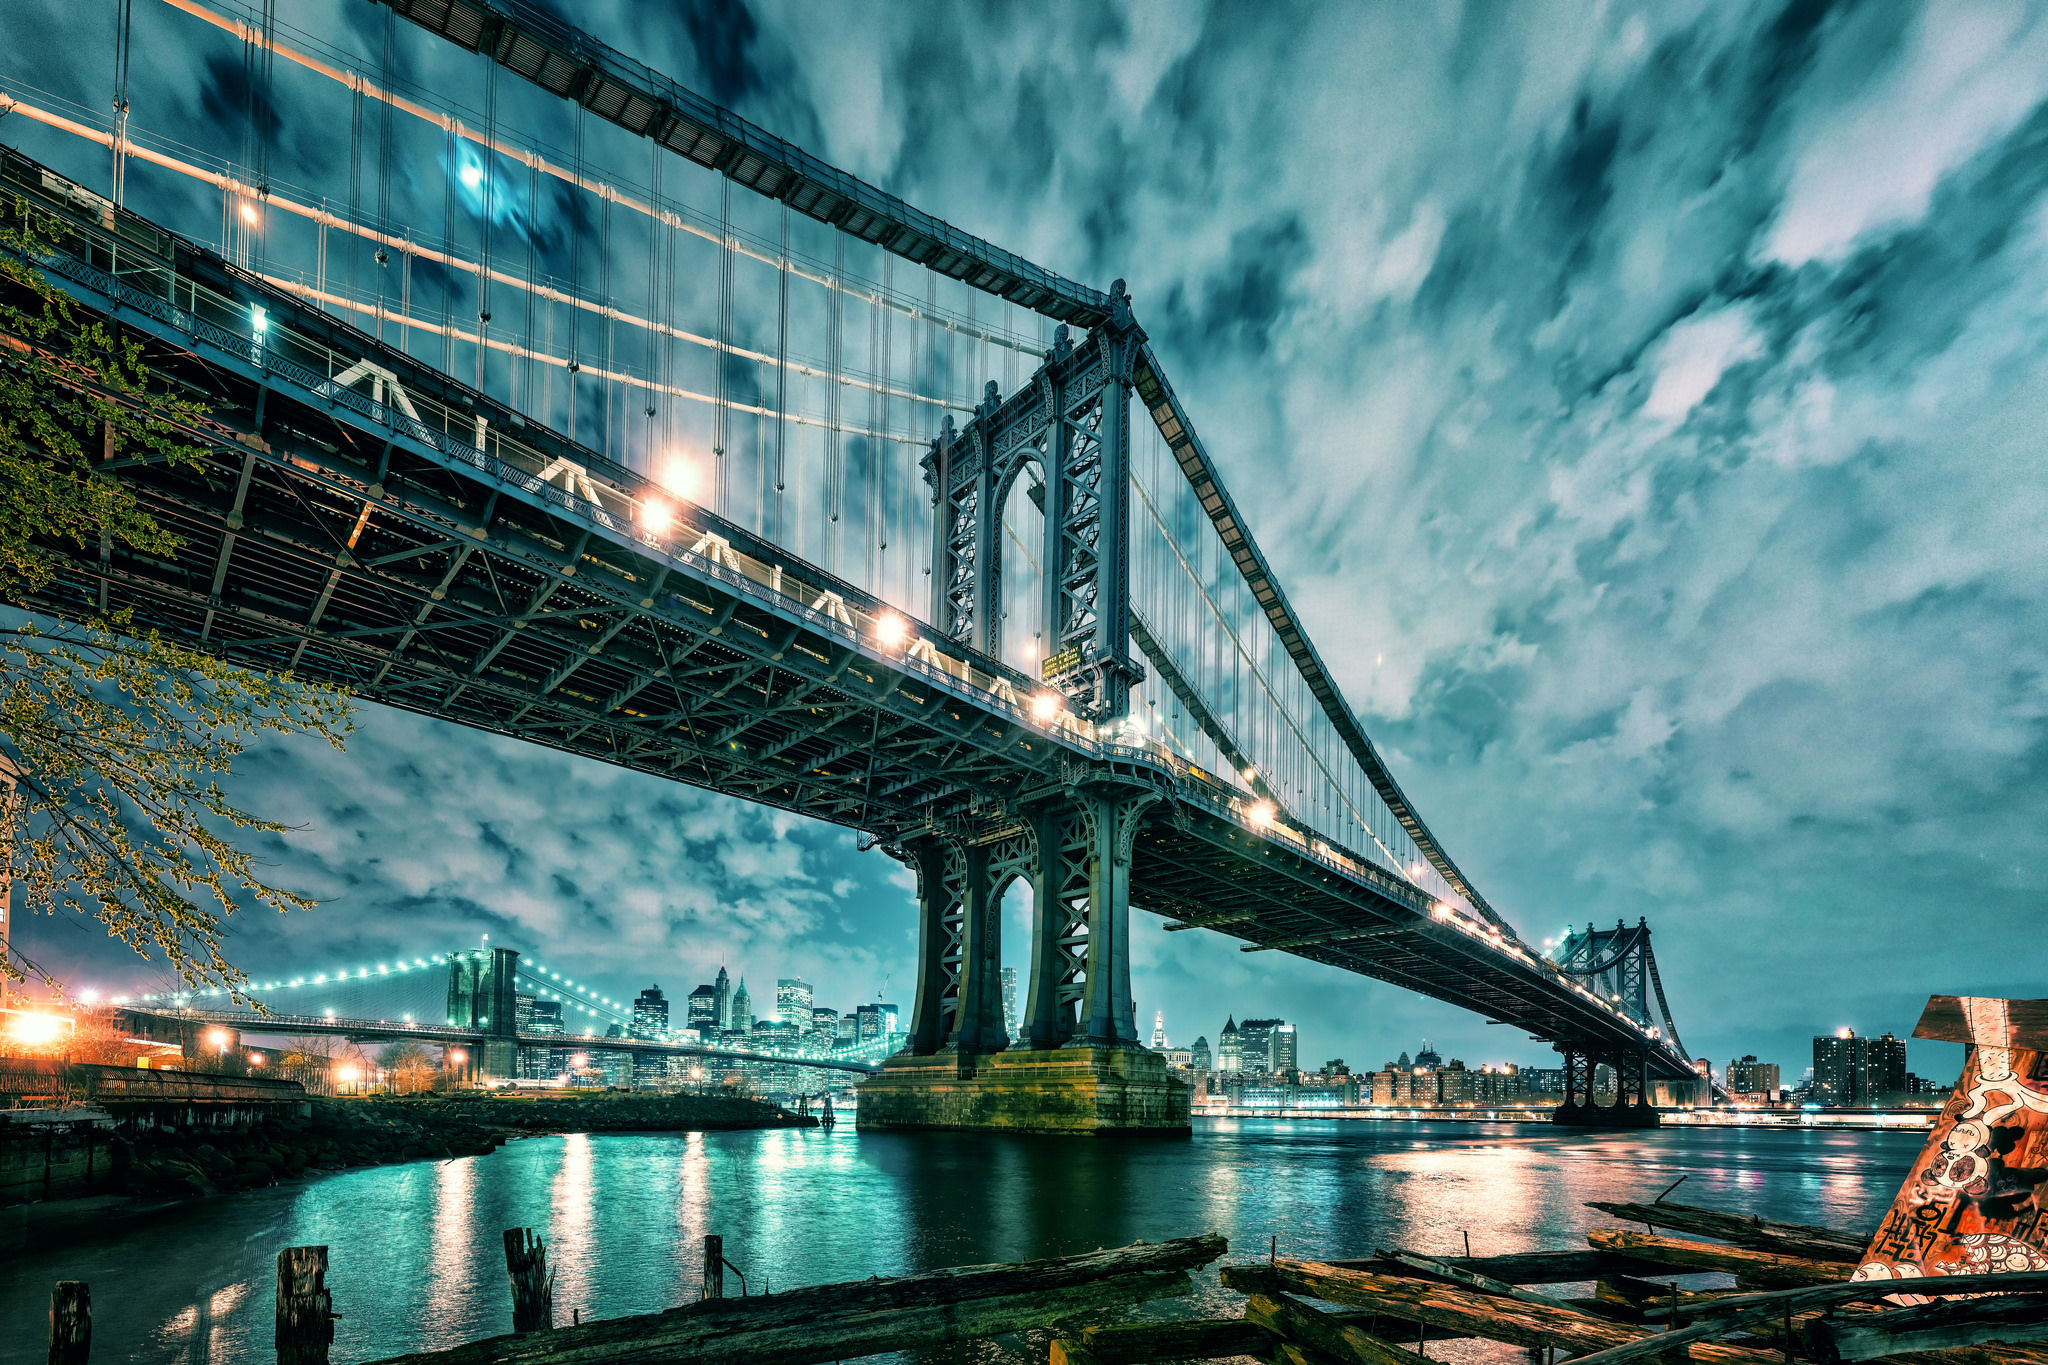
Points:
(714, 1266)
(305, 1311)
(533, 1288)
(70, 1323)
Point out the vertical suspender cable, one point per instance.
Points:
(604, 289)
(384, 177)
(835, 316)
(654, 405)
(530, 367)
(355, 173)
(488, 211)
(871, 456)
(884, 451)
(781, 363)
(721, 412)
(576, 282)
(453, 149)
(121, 104)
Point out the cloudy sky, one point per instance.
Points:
(1642, 403)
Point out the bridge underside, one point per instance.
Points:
(428, 560)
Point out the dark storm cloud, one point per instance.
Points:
(1642, 404)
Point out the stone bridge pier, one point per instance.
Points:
(1079, 1066)
(1631, 1107)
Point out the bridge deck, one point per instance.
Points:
(363, 544)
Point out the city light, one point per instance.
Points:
(347, 1073)
(674, 475)
(36, 1030)
(1262, 813)
(1045, 706)
(87, 997)
(890, 629)
(657, 517)
(219, 1038)
(458, 1056)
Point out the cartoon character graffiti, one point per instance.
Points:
(1971, 1164)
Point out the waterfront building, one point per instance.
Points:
(793, 1000)
(1201, 1060)
(650, 1014)
(1849, 1070)
(1229, 1049)
(1159, 1031)
(742, 1019)
(1012, 1025)
(1748, 1076)
(721, 999)
(1285, 1062)
(703, 1015)
(1255, 1040)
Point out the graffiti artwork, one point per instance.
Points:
(1973, 1202)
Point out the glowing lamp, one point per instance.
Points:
(255, 1059)
(456, 1056)
(891, 630)
(1045, 706)
(579, 1060)
(1262, 813)
(36, 1030)
(347, 1073)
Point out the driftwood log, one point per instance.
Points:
(1471, 1279)
(1758, 1234)
(1320, 1334)
(1939, 1326)
(861, 1317)
(1134, 1343)
(1531, 1267)
(1463, 1311)
(1739, 1311)
(1759, 1267)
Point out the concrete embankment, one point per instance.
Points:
(93, 1151)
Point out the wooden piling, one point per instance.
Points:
(714, 1267)
(70, 1323)
(305, 1311)
(533, 1288)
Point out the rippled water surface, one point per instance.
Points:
(417, 1259)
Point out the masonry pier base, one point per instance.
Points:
(1081, 1090)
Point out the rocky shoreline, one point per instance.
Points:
(162, 1163)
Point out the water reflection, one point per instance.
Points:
(417, 1256)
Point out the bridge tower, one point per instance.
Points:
(483, 994)
(1616, 965)
(1081, 1066)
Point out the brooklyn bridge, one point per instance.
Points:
(814, 500)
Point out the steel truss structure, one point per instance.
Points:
(426, 546)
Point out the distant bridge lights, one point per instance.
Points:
(890, 630)
(1261, 814)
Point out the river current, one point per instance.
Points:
(417, 1261)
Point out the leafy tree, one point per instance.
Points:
(112, 738)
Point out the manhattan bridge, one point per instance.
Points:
(548, 397)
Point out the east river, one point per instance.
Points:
(417, 1258)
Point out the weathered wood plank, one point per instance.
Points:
(1473, 1314)
(1135, 1343)
(1939, 1326)
(1785, 1239)
(1530, 1267)
(533, 1288)
(828, 1322)
(1763, 1267)
(70, 1323)
(1295, 1322)
(305, 1310)
(1470, 1278)
(1067, 1351)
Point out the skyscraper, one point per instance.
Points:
(1752, 1077)
(1429, 1059)
(650, 1014)
(1198, 1055)
(1010, 1004)
(721, 998)
(1284, 1053)
(703, 1014)
(1159, 1031)
(868, 1021)
(1229, 1048)
(1255, 1045)
(823, 1025)
(742, 1008)
(793, 1001)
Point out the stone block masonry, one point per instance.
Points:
(1099, 1091)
